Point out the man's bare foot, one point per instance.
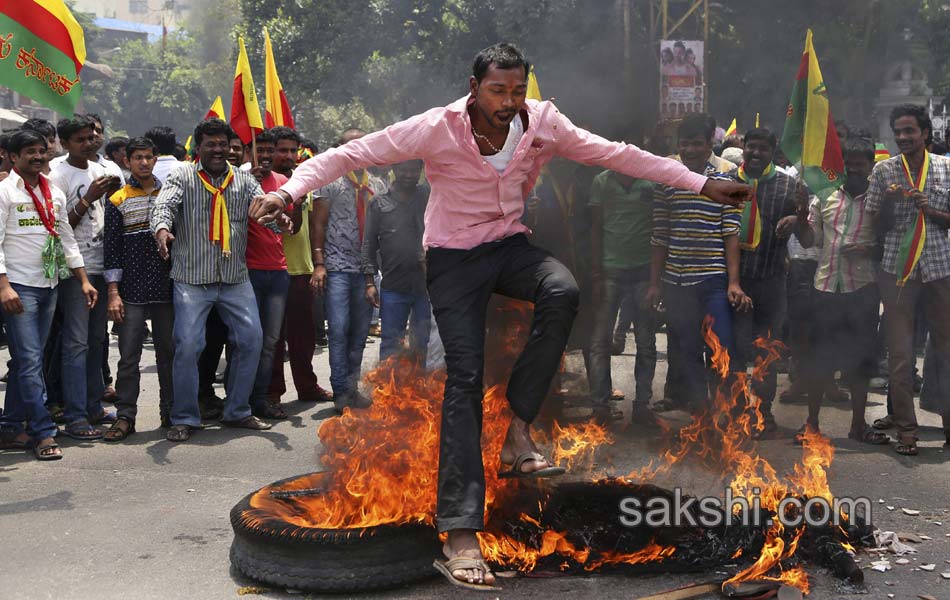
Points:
(464, 543)
(517, 442)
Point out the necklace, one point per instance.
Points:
(486, 140)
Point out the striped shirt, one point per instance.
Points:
(776, 200)
(693, 229)
(935, 259)
(184, 207)
(837, 221)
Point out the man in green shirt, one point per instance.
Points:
(622, 223)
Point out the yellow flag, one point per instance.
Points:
(217, 110)
(276, 108)
(245, 111)
(733, 129)
(534, 92)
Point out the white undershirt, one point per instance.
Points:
(515, 131)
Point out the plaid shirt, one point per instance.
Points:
(935, 259)
(776, 199)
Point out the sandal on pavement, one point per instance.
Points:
(271, 411)
(516, 472)
(799, 439)
(121, 429)
(9, 441)
(883, 423)
(869, 436)
(178, 433)
(318, 395)
(617, 395)
(906, 448)
(248, 422)
(106, 418)
(664, 405)
(47, 451)
(82, 431)
(446, 567)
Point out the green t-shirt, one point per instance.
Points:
(628, 220)
(297, 246)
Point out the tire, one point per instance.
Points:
(284, 555)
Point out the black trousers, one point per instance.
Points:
(461, 283)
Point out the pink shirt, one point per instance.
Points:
(471, 203)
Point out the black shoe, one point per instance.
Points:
(322, 342)
(606, 414)
(211, 407)
(618, 346)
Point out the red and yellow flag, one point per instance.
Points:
(912, 244)
(276, 108)
(810, 137)
(750, 227)
(217, 110)
(245, 112)
(733, 128)
(42, 51)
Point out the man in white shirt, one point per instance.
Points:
(85, 184)
(36, 246)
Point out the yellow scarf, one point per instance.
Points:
(220, 229)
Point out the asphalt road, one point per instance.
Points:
(149, 519)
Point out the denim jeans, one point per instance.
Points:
(270, 289)
(131, 337)
(238, 309)
(686, 308)
(26, 336)
(83, 336)
(348, 317)
(394, 311)
(620, 284)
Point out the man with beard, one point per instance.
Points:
(482, 156)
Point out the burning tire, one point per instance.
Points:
(278, 553)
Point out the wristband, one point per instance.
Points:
(319, 264)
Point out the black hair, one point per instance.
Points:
(5, 139)
(285, 133)
(212, 126)
(858, 144)
(939, 148)
(503, 56)
(163, 138)
(679, 44)
(761, 133)
(116, 143)
(917, 111)
(66, 128)
(694, 124)
(180, 153)
(233, 135)
(25, 138)
(95, 117)
(140, 143)
(266, 137)
(310, 145)
(41, 126)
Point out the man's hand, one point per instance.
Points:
(318, 281)
(894, 193)
(786, 226)
(266, 208)
(739, 300)
(921, 201)
(285, 223)
(89, 291)
(10, 300)
(164, 239)
(653, 297)
(727, 192)
(855, 250)
(372, 294)
(116, 308)
(98, 187)
(258, 173)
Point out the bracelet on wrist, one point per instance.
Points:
(319, 264)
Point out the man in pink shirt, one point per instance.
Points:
(482, 155)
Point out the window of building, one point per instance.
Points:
(138, 6)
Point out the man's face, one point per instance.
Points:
(407, 174)
(858, 166)
(757, 154)
(51, 148)
(31, 160)
(285, 156)
(97, 129)
(908, 135)
(141, 163)
(679, 53)
(213, 152)
(83, 144)
(265, 157)
(500, 95)
(235, 151)
(694, 150)
(118, 157)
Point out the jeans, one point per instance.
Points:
(270, 290)
(461, 282)
(301, 337)
(238, 309)
(763, 321)
(394, 311)
(83, 333)
(26, 336)
(620, 284)
(131, 338)
(216, 337)
(686, 308)
(348, 316)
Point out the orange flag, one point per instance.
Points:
(245, 112)
(276, 107)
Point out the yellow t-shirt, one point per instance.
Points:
(297, 246)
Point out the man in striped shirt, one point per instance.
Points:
(210, 270)
(696, 256)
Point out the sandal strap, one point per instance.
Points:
(466, 562)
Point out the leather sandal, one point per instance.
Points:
(121, 429)
(459, 563)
